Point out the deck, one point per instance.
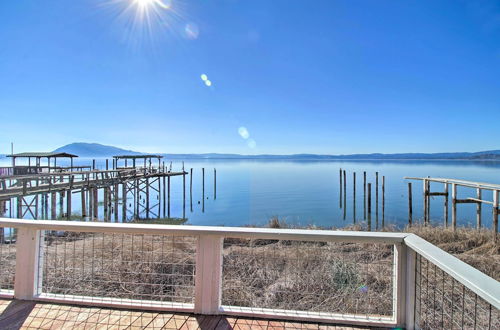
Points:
(16, 314)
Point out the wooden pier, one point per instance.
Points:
(49, 190)
(478, 199)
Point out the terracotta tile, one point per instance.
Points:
(159, 321)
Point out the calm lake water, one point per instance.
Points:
(250, 192)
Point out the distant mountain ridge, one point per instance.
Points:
(83, 149)
(98, 150)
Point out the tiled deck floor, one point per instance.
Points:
(15, 314)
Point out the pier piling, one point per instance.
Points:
(410, 205)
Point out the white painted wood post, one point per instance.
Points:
(399, 285)
(409, 310)
(27, 263)
(208, 274)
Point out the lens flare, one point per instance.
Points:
(251, 143)
(208, 83)
(243, 132)
(204, 77)
(191, 31)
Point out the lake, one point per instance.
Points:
(302, 193)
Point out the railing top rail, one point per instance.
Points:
(463, 183)
(236, 232)
(478, 282)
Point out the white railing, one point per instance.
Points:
(359, 278)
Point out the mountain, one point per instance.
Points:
(83, 149)
(98, 150)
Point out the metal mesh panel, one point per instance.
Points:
(347, 278)
(8, 239)
(441, 302)
(128, 266)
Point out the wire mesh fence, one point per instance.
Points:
(345, 278)
(441, 302)
(8, 239)
(137, 267)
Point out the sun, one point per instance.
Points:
(146, 4)
(147, 21)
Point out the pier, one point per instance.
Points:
(478, 200)
(132, 186)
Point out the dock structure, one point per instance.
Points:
(40, 162)
(134, 187)
(478, 199)
(132, 161)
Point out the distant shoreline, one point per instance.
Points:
(280, 158)
(97, 150)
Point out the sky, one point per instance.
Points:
(251, 77)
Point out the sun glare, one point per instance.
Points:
(146, 4)
(148, 21)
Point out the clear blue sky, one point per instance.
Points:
(301, 76)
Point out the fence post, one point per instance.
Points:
(409, 309)
(208, 274)
(27, 264)
(404, 288)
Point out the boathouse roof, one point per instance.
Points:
(137, 156)
(42, 155)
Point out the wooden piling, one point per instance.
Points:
(164, 197)
(428, 202)
(383, 201)
(478, 208)
(68, 205)
(215, 184)
(496, 201)
(124, 201)
(446, 208)
(376, 197)
(91, 202)
(107, 164)
(454, 206)
(105, 204)
(46, 202)
(410, 205)
(364, 195)
(115, 207)
(19, 207)
(425, 200)
(369, 202)
(61, 202)
(147, 198)
(340, 188)
(84, 203)
(183, 192)
(53, 210)
(168, 196)
(203, 190)
(345, 195)
(354, 197)
(137, 199)
(96, 202)
(191, 189)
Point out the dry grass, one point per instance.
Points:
(295, 275)
(281, 274)
(467, 244)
